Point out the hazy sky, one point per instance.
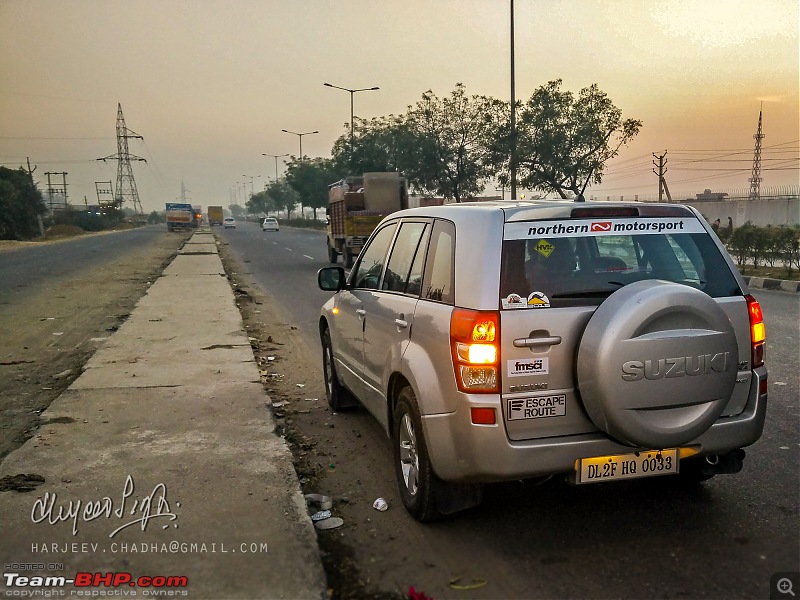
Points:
(211, 83)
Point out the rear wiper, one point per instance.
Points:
(585, 293)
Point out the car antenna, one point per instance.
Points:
(579, 197)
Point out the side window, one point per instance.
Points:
(371, 260)
(438, 282)
(409, 247)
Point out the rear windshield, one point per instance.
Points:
(580, 262)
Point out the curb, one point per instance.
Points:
(766, 283)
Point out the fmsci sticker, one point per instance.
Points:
(538, 300)
(528, 366)
(514, 301)
(538, 407)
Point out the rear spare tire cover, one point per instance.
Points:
(657, 364)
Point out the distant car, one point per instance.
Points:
(270, 224)
(229, 223)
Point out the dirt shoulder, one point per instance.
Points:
(51, 330)
(324, 445)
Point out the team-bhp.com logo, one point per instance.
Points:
(113, 579)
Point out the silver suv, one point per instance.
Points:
(500, 341)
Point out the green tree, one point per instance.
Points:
(156, 217)
(444, 144)
(259, 203)
(380, 145)
(282, 197)
(20, 205)
(563, 141)
(309, 179)
(236, 211)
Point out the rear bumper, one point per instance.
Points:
(462, 451)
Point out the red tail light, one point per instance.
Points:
(758, 332)
(475, 347)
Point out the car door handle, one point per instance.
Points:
(360, 312)
(401, 323)
(537, 341)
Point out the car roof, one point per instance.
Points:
(525, 210)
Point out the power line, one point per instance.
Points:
(56, 138)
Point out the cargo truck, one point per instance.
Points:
(198, 215)
(355, 207)
(215, 215)
(180, 216)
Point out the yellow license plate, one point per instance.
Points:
(628, 466)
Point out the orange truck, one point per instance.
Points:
(215, 215)
(355, 207)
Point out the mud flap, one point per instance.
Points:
(454, 497)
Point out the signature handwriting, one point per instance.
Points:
(153, 506)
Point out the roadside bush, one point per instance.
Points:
(88, 221)
(760, 242)
(765, 245)
(306, 223)
(741, 241)
(63, 231)
(20, 205)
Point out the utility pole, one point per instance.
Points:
(30, 174)
(662, 169)
(102, 191)
(51, 189)
(755, 177)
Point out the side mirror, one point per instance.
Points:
(331, 279)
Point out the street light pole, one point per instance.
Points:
(252, 177)
(513, 159)
(276, 157)
(352, 93)
(300, 135)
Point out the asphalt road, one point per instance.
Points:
(643, 539)
(31, 265)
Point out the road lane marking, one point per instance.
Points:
(308, 257)
(289, 249)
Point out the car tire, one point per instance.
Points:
(348, 258)
(419, 485)
(338, 397)
(332, 255)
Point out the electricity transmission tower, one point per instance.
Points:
(126, 185)
(755, 177)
